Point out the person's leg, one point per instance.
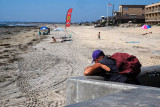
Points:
(116, 77)
(133, 81)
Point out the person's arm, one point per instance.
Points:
(95, 68)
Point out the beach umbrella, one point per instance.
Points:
(58, 29)
(146, 26)
(43, 28)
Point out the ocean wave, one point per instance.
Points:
(17, 24)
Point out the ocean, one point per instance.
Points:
(26, 24)
(17, 24)
(8, 29)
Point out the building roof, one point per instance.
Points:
(156, 4)
(133, 6)
(117, 12)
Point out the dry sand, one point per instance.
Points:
(39, 77)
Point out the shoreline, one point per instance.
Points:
(17, 39)
(11, 46)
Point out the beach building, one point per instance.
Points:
(130, 13)
(103, 19)
(152, 14)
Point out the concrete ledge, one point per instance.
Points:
(150, 76)
(93, 92)
(131, 98)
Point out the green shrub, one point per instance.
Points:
(158, 24)
(103, 23)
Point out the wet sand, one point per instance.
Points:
(38, 76)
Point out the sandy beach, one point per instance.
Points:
(34, 73)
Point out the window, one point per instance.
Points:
(132, 16)
(120, 9)
(142, 8)
(125, 8)
(126, 14)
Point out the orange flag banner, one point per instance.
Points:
(68, 18)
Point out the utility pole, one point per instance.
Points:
(108, 4)
(112, 14)
(113, 11)
(107, 13)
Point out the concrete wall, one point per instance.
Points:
(150, 76)
(84, 89)
(140, 97)
(132, 9)
(136, 11)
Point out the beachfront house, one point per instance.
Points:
(130, 13)
(152, 14)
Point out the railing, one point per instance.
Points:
(156, 10)
(153, 19)
(158, 18)
(147, 19)
(152, 11)
(147, 11)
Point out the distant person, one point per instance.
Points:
(49, 30)
(107, 67)
(53, 40)
(39, 32)
(99, 35)
(70, 35)
(55, 26)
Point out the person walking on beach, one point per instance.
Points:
(107, 67)
(99, 35)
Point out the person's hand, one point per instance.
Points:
(95, 69)
(106, 68)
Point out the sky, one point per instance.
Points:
(56, 10)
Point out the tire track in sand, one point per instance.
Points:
(34, 95)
